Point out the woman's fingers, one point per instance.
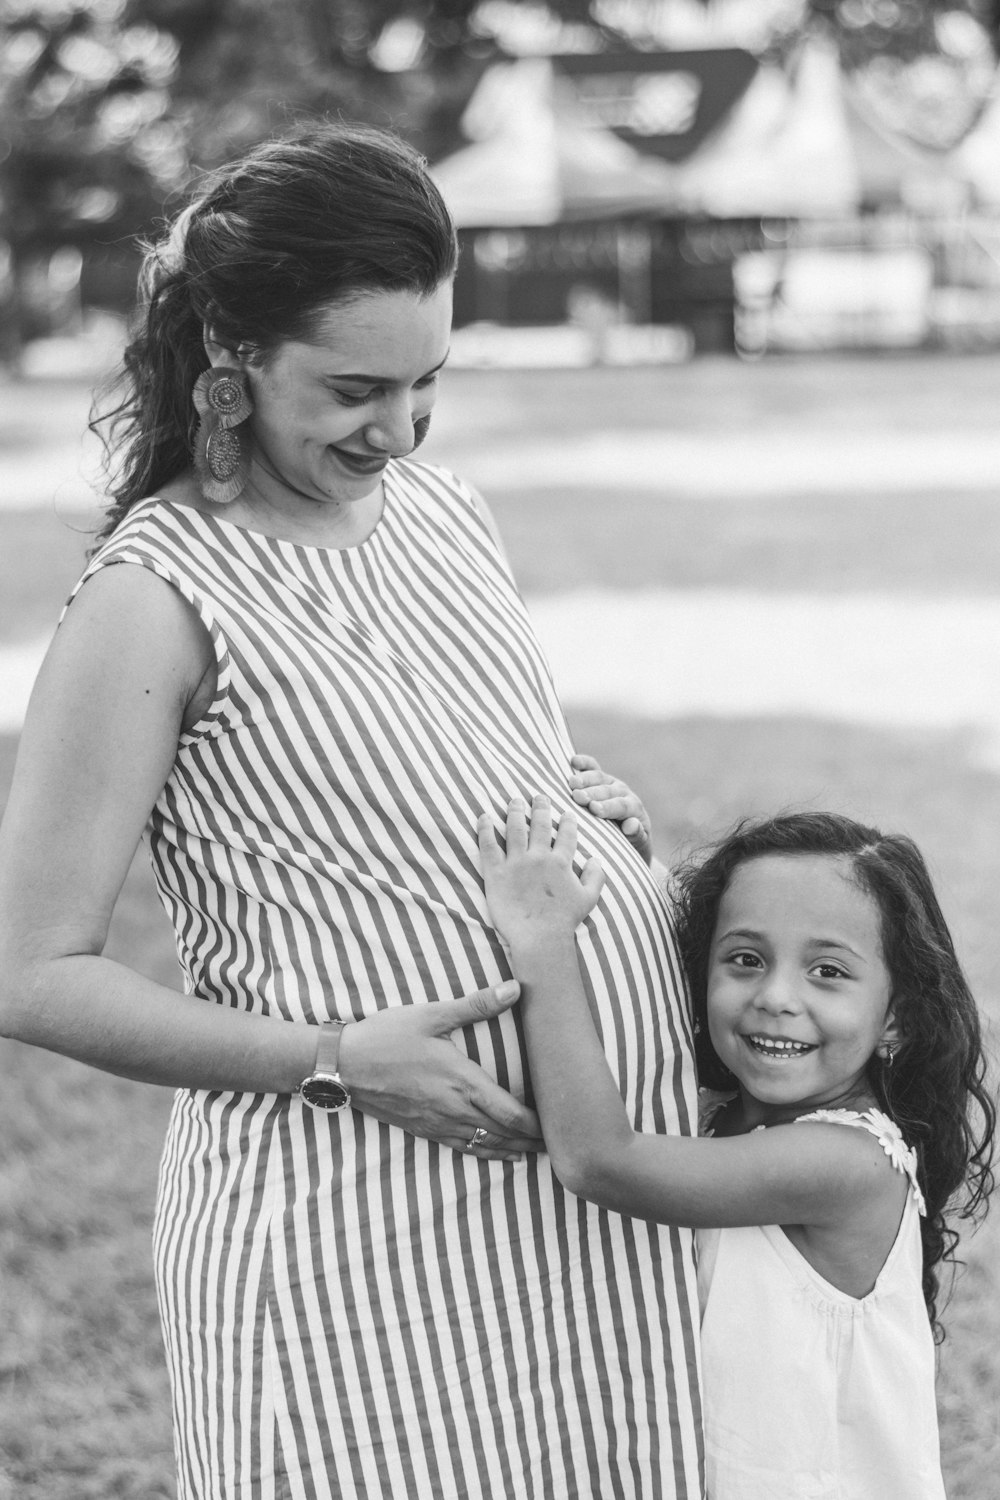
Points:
(584, 763)
(637, 833)
(613, 805)
(512, 1125)
(598, 788)
(403, 1068)
(503, 1117)
(586, 781)
(590, 777)
(613, 801)
(607, 797)
(447, 1016)
(492, 1148)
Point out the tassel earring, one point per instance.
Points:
(222, 445)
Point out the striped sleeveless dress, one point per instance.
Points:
(349, 1310)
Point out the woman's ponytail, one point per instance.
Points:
(151, 428)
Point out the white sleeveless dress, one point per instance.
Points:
(811, 1394)
(349, 1310)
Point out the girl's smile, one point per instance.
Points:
(778, 1047)
(799, 996)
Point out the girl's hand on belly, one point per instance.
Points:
(532, 889)
(402, 1068)
(608, 797)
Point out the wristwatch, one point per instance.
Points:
(324, 1088)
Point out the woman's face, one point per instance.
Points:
(329, 414)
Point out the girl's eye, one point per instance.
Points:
(346, 398)
(428, 380)
(745, 960)
(831, 971)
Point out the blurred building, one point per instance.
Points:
(755, 202)
(648, 177)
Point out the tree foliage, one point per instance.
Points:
(109, 108)
(904, 29)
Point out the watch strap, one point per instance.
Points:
(328, 1047)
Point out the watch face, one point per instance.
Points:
(323, 1091)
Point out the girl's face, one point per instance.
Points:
(329, 414)
(799, 995)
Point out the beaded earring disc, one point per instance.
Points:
(221, 447)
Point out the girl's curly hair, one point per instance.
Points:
(325, 214)
(936, 1088)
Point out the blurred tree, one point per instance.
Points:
(86, 148)
(109, 108)
(903, 28)
(925, 68)
(255, 66)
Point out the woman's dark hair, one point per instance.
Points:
(321, 216)
(936, 1087)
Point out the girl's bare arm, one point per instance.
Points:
(798, 1175)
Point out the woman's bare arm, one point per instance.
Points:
(98, 745)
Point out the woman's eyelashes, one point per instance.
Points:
(355, 398)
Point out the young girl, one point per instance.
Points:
(826, 994)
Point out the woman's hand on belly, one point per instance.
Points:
(402, 1068)
(608, 797)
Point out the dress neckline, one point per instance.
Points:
(389, 498)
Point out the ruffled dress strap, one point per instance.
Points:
(888, 1135)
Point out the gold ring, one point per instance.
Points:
(478, 1138)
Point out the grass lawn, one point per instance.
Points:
(84, 1409)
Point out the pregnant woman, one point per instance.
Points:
(298, 663)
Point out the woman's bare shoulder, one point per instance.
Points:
(126, 616)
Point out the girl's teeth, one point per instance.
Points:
(778, 1046)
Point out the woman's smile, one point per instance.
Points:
(358, 462)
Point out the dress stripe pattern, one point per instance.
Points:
(349, 1310)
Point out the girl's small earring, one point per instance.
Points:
(887, 1054)
(222, 444)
